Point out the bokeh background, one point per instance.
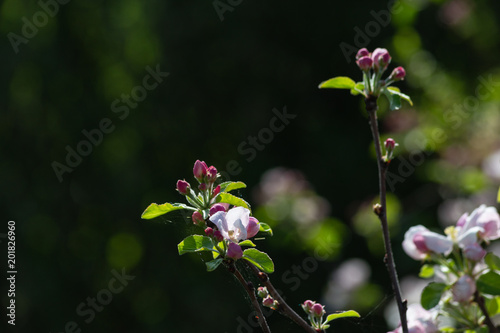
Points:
(230, 64)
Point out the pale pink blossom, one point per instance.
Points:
(235, 224)
(419, 242)
(419, 320)
(463, 289)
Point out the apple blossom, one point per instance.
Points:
(209, 232)
(419, 320)
(398, 73)
(420, 241)
(235, 224)
(318, 310)
(268, 301)
(483, 221)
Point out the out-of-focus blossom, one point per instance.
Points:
(419, 242)
(482, 224)
(463, 289)
(419, 320)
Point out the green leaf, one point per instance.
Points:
(492, 305)
(195, 243)
(230, 186)
(195, 202)
(492, 261)
(395, 90)
(232, 200)
(212, 265)
(339, 82)
(259, 259)
(155, 210)
(247, 243)
(264, 227)
(333, 316)
(498, 195)
(431, 295)
(426, 271)
(489, 283)
(359, 88)
(394, 99)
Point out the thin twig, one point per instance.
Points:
(487, 320)
(251, 293)
(283, 307)
(371, 107)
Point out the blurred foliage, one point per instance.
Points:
(225, 79)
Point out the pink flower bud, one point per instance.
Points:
(398, 73)
(253, 227)
(268, 301)
(211, 174)
(362, 53)
(463, 289)
(216, 191)
(390, 144)
(262, 292)
(198, 218)
(234, 251)
(474, 252)
(183, 187)
(218, 236)
(217, 208)
(381, 59)
(365, 63)
(307, 306)
(209, 232)
(317, 310)
(200, 170)
(202, 187)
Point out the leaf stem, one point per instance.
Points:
(487, 320)
(250, 289)
(371, 108)
(283, 307)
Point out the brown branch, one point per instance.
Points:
(283, 307)
(371, 107)
(487, 320)
(251, 293)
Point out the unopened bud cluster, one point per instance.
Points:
(373, 66)
(267, 299)
(315, 313)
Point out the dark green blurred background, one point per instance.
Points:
(225, 78)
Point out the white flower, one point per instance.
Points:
(483, 223)
(420, 241)
(233, 224)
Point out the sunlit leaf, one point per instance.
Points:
(195, 243)
(212, 265)
(232, 200)
(489, 283)
(155, 210)
(259, 259)
(230, 186)
(264, 227)
(333, 316)
(339, 82)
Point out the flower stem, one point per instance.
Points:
(487, 320)
(283, 307)
(371, 108)
(251, 293)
